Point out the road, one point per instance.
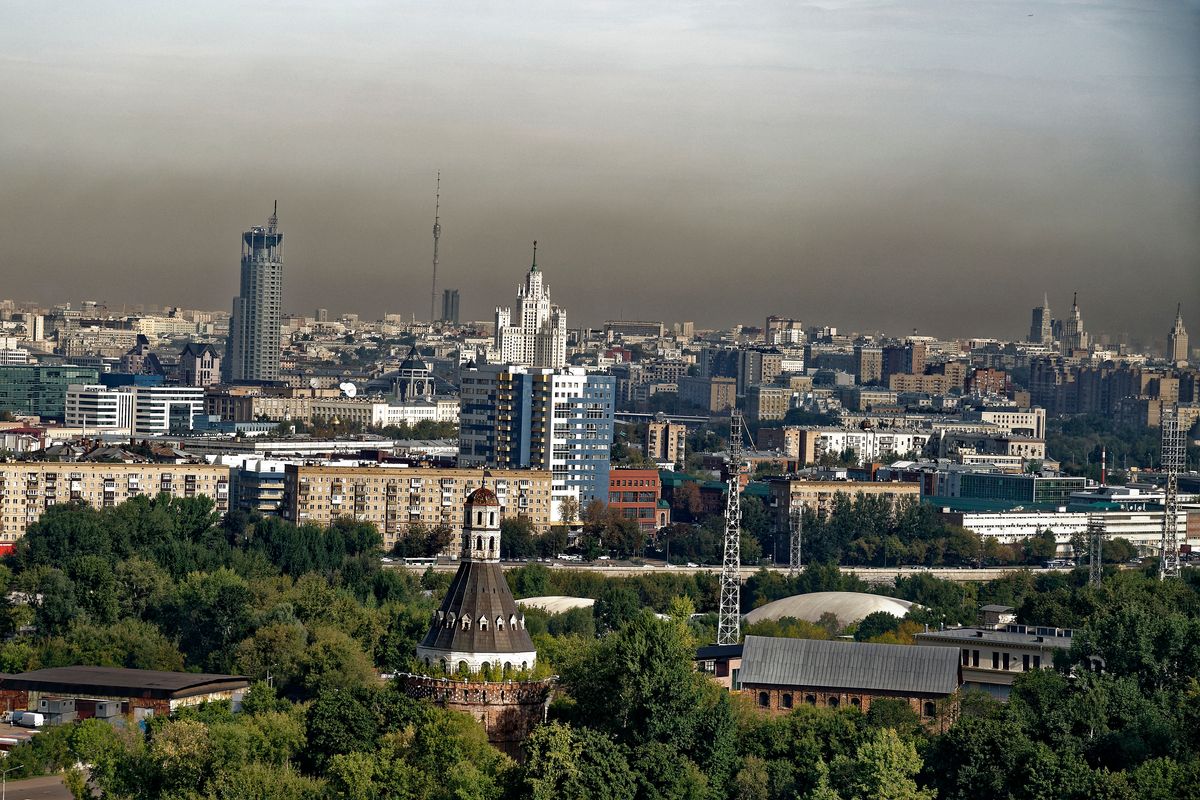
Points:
(876, 576)
(49, 787)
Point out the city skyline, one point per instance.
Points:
(833, 163)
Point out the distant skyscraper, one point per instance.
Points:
(322, 315)
(450, 306)
(1074, 337)
(1177, 339)
(539, 338)
(1041, 329)
(253, 352)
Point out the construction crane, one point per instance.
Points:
(729, 620)
(1172, 462)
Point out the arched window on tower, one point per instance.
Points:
(478, 517)
(491, 544)
(491, 519)
(479, 543)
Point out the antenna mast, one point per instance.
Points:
(729, 625)
(1172, 462)
(1096, 531)
(437, 233)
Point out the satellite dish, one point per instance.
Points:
(314, 383)
(348, 389)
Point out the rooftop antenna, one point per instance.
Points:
(437, 233)
(273, 222)
(534, 267)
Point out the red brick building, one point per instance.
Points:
(635, 494)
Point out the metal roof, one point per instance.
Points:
(116, 681)
(820, 663)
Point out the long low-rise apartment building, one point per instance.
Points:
(815, 495)
(1141, 528)
(393, 497)
(27, 489)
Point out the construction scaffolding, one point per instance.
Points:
(729, 621)
(1173, 450)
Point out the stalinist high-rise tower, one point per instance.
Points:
(1177, 340)
(537, 337)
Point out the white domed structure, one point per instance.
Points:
(848, 607)
(556, 603)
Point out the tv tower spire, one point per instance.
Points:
(437, 233)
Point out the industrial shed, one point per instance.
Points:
(162, 692)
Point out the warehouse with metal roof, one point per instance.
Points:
(780, 674)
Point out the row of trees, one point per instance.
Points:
(164, 583)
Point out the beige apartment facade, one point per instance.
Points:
(27, 489)
(819, 496)
(666, 441)
(393, 497)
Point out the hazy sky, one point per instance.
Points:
(885, 165)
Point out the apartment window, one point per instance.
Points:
(1037, 662)
(995, 660)
(1025, 663)
(974, 658)
(966, 657)
(1005, 657)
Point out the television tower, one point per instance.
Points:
(437, 233)
(1172, 461)
(729, 620)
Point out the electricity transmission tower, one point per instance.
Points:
(796, 528)
(1172, 462)
(1095, 528)
(729, 623)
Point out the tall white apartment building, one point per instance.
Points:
(93, 407)
(537, 337)
(536, 418)
(160, 410)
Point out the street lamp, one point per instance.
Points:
(4, 780)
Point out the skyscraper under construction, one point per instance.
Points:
(253, 351)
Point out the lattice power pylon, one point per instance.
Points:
(795, 530)
(1096, 532)
(729, 621)
(1172, 462)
